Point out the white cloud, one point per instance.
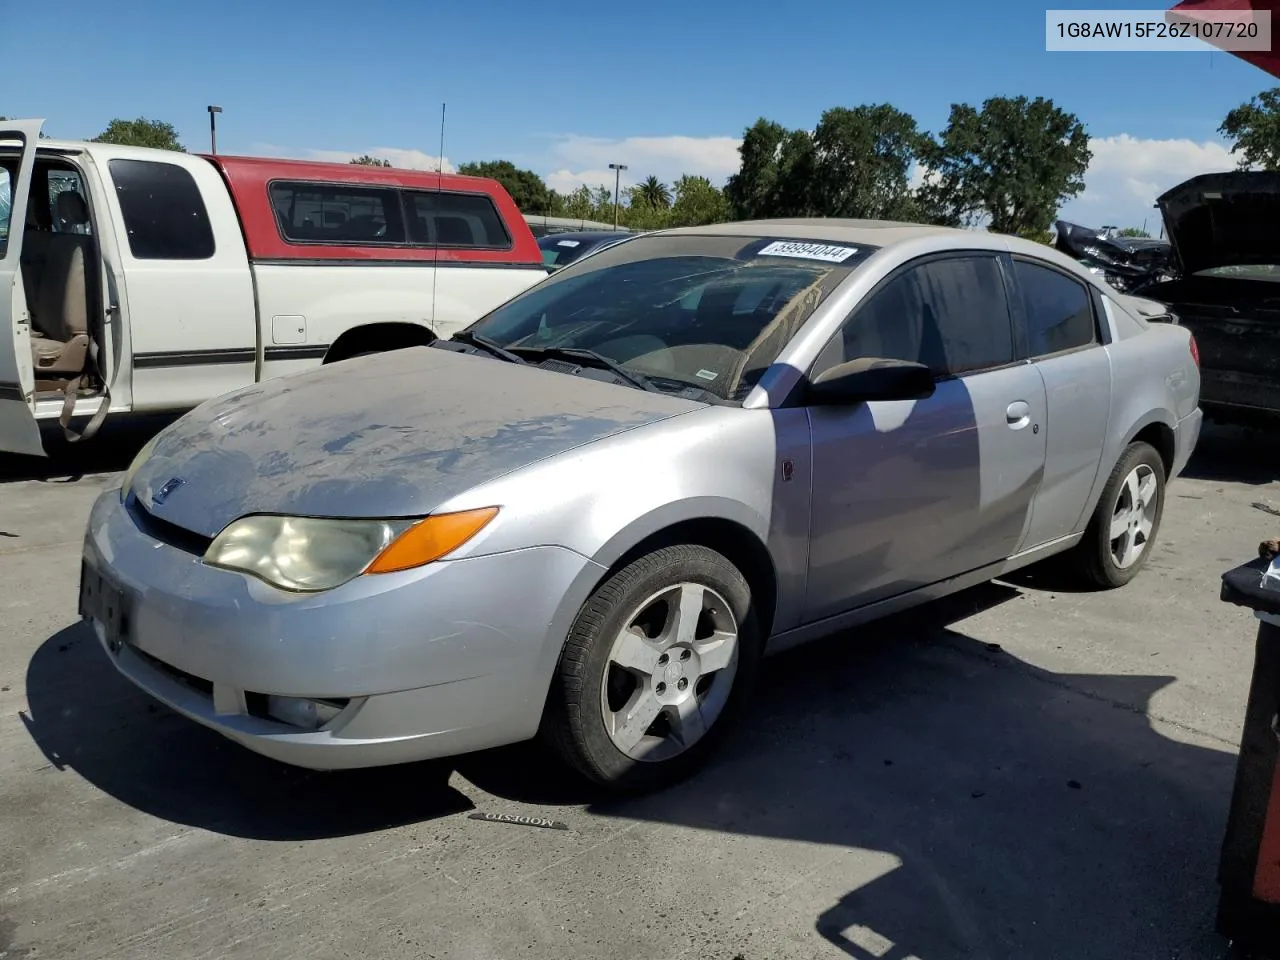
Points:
(576, 160)
(403, 157)
(1127, 174)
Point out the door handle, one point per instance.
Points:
(1018, 414)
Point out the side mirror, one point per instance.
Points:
(870, 378)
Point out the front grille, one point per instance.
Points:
(169, 533)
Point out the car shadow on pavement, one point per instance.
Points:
(1020, 812)
(1235, 454)
(108, 451)
(85, 717)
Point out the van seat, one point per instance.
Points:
(60, 320)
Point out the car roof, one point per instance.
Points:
(878, 233)
(585, 235)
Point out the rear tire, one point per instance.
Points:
(1124, 526)
(655, 670)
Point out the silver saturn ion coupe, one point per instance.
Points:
(591, 513)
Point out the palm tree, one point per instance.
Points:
(654, 193)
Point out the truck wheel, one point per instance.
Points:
(655, 670)
(1126, 521)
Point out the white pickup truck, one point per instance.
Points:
(139, 280)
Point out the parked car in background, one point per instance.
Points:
(1124, 262)
(149, 280)
(590, 513)
(561, 249)
(1226, 288)
(543, 225)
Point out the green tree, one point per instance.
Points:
(862, 159)
(775, 178)
(698, 201)
(653, 193)
(527, 189)
(368, 161)
(1013, 162)
(579, 204)
(751, 190)
(141, 133)
(1254, 131)
(1134, 232)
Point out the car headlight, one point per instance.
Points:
(310, 554)
(141, 457)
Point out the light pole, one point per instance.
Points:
(617, 169)
(213, 127)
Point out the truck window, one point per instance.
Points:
(339, 214)
(6, 208)
(455, 220)
(164, 214)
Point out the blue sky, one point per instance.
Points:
(662, 86)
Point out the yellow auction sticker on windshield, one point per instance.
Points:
(830, 253)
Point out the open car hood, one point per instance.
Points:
(1224, 220)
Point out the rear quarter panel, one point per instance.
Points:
(1154, 380)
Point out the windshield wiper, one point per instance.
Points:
(589, 358)
(487, 345)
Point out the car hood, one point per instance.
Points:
(1223, 220)
(389, 435)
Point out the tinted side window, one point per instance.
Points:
(164, 214)
(1059, 315)
(456, 220)
(950, 315)
(341, 214)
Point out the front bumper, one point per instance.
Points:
(446, 659)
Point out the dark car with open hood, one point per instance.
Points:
(1224, 233)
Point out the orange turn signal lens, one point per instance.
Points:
(430, 539)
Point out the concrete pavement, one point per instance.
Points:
(1020, 771)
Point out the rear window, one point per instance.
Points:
(455, 220)
(164, 215)
(340, 214)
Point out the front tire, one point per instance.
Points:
(1125, 523)
(655, 669)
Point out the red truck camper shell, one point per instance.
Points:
(249, 180)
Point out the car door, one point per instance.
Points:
(1063, 336)
(19, 432)
(906, 493)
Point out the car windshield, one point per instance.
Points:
(682, 310)
(561, 251)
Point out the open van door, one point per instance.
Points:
(19, 432)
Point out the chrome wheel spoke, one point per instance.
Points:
(1132, 488)
(688, 724)
(1119, 525)
(717, 651)
(1144, 528)
(634, 720)
(684, 613)
(1147, 490)
(633, 651)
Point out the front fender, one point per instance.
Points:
(669, 515)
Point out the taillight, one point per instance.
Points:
(1195, 350)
